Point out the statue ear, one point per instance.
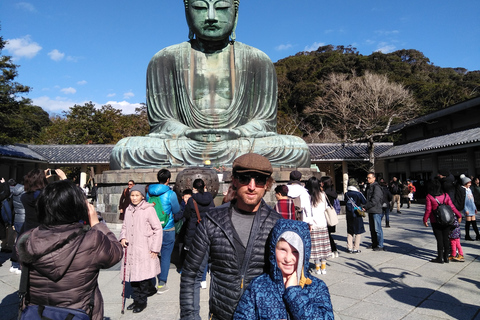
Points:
(190, 34)
(233, 36)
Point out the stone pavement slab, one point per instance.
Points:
(399, 283)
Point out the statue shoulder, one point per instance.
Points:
(171, 52)
(252, 51)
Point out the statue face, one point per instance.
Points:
(211, 20)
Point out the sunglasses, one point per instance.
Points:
(245, 178)
(130, 184)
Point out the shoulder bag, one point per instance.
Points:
(330, 214)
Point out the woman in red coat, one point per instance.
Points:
(441, 232)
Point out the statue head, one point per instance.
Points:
(212, 20)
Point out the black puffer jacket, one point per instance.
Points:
(230, 277)
(204, 203)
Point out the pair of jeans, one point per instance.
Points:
(166, 254)
(386, 213)
(376, 231)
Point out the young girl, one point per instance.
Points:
(288, 291)
(141, 236)
(455, 241)
(318, 225)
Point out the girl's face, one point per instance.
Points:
(136, 197)
(468, 185)
(287, 257)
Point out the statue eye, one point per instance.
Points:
(222, 5)
(199, 5)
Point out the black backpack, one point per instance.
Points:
(444, 214)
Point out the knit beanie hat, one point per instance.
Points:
(138, 188)
(464, 179)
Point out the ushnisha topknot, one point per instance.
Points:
(252, 162)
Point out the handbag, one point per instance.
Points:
(42, 312)
(358, 210)
(331, 214)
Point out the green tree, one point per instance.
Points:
(20, 121)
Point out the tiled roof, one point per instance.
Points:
(427, 145)
(343, 151)
(19, 151)
(75, 154)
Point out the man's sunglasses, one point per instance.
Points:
(244, 178)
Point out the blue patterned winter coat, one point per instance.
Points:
(267, 298)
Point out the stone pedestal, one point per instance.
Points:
(112, 183)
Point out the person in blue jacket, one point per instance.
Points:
(288, 291)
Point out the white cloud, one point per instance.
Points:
(126, 107)
(111, 95)
(69, 90)
(283, 47)
(314, 46)
(22, 47)
(387, 32)
(58, 104)
(26, 6)
(73, 59)
(128, 95)
(384, 47)
(56, 55)
(82, 82)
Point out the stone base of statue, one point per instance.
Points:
(112, 183)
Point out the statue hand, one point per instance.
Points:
(212, 135)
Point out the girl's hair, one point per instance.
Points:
(62, 202)
(434, 187)
(34, 180)
(282, 190)
(327, 182)
(199, 184)
(313, 188)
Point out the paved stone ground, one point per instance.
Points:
(397, 284)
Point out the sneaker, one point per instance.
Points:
(317, 271)
(379, 249)
(162, 288)
(203, 284)
(356, 251)
(336, 254)
(13, 269)
(399, 212)
(18, 271)
(349, 251)
(323, 271)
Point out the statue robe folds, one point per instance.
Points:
(247, 123)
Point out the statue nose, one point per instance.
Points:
(212, 13)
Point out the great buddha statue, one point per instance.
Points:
(211, 98)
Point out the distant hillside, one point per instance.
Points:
(300, 77)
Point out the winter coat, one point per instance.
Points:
(374, 198)
(267, 298)
(17, 192)
(354, 221)
(217, 237)
(29, 201)
(65, 261)
(316, 218)
(169, 201)
(431, 205)
(204, 203)
(143, 231)
(448, 186)
(298, 191)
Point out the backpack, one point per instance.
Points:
(444, 214)
(7, 210)
(157, 204)
(336, 206)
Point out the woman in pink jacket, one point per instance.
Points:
(141, 236)
(441, 233)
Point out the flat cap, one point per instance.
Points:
(252, 162)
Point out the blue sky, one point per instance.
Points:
(72, 52)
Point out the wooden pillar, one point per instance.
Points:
(345, 175)
(83, 175)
